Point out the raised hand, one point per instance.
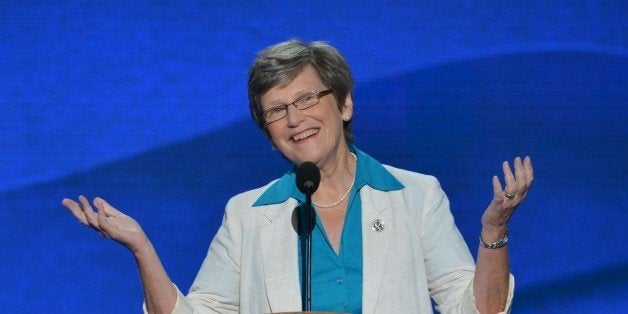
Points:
(507, 199)
(109, 222)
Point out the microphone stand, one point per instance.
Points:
(308, 178)
(306, 225)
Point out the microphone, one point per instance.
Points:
(308, 178)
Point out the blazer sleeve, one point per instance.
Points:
(216, 288)
(449, 265)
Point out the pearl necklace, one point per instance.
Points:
(342, 199)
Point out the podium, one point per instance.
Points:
(310, 312)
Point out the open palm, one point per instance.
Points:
(108, 221)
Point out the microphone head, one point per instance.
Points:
(308, 178)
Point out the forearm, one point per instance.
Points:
(490, 285)
(159, 293)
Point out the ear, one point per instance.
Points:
(347, 110)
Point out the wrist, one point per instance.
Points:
(493, 233)
(144, 249)
(494, 244)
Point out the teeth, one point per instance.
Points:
(304, 135)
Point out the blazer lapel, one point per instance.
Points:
(376, 242)
(279, 258)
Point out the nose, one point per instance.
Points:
(294, 116)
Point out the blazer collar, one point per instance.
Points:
(279, 258)
(376, 209)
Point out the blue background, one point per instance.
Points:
(144, 103)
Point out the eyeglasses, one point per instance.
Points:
(308, 100)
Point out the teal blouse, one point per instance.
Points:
(336, 278)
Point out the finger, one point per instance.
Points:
(497, 189)
(527, 165)
(100, 210)
(520, 175)
(75, 209)
(89, 212)
(103, 221)
(108, 209)
(509, 178)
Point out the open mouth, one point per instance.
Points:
(305, 134)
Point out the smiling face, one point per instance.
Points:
(314, 134)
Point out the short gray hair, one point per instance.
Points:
(279, 64)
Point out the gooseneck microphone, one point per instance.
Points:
(308, 179)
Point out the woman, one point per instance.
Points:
(384, 241)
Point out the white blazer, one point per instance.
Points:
(252, 263)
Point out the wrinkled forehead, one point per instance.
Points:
(281, 79)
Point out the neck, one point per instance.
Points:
(336, 179)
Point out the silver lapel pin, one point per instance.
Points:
(377, 225)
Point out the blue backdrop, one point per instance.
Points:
(144, 103)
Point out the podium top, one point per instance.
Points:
(310, 312)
